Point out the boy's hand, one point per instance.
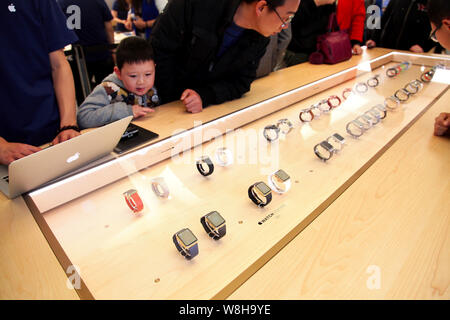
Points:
(13, 151)
(192, 101)
(442, 124)
(139, 111)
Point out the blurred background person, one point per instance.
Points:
(96, 36)
(404, 26)
(119, 11)
(311, 20)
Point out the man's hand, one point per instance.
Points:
(371, 44)
(416, 48)
(65, 135)
(442, 124)
(192, 101)
(139, 111)
(13, 151)
(139, 23)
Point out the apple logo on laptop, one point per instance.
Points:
(73, 158)
(12, 8)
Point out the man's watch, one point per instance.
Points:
(214, 225)
(260, 193)
(186, 243)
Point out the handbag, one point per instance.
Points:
(333, 46)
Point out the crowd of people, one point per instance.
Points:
(200, 52)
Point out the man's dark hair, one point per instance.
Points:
(133, 50)
(272, 4)
(438, 10)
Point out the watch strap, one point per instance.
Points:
(188, 254)
(215, 235)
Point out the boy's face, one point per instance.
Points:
(138, 78)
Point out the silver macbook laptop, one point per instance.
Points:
(32, 171)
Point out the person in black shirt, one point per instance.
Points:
(404, 26)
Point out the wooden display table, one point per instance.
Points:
(123, 256)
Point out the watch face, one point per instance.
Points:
(130, 192)
(339, 137)
(187, 237)
(215, 219)
(283, 176)
(263, 188)
(327, 146)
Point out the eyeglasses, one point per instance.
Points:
(433, 34)
(284, 23)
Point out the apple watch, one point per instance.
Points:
(224, 157)
(365, 121)
(324, 150)
(271, 132)
(392, 72)
(374, 81)
(260, 193)
(186, 243)
(346, 93)
(159, 187)
(336, 141)
(323, 106)
(381, 110)
(361, 87)
(316, 111)
(413, 87)
(334, 101)
(374, 116)
(214, 225)
(355, 128)
(205, 171)
(279, 181)
(402, 95)
(285, 126)
(133, 200)
(391, 102)
(306, 115)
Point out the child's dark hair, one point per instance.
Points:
(133, 50)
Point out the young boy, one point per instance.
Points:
(127, 91)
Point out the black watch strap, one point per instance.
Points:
(215, 235)
(256, 200)
(200, 168)
(68, 128)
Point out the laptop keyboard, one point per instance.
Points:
(6, 178)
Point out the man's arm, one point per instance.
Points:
(65, 94)
(13, 151)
